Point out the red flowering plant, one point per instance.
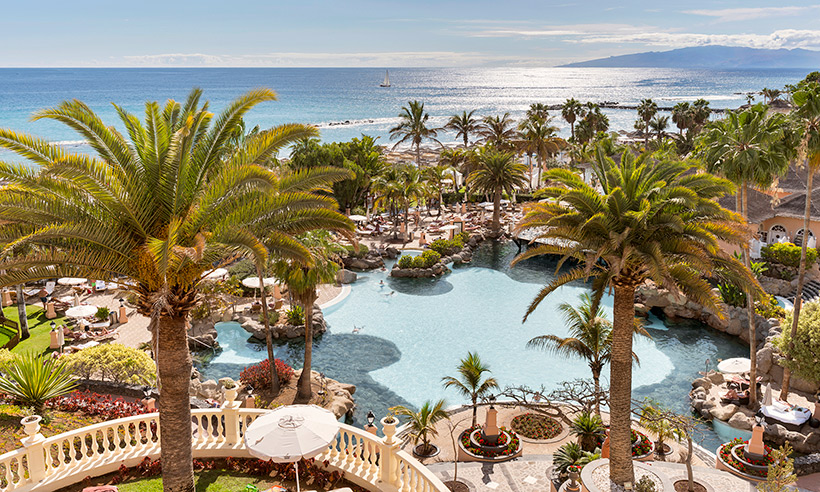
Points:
(95, 404)
(512, 443)
(725, 455)
(641, 444)
(258, 375)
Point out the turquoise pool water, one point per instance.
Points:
(412, 332)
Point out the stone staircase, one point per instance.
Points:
(811, 291)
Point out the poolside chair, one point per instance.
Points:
(100, 286)
(50, 286)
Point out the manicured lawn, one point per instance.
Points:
(38, 326)
(206, 480)
(11, 431)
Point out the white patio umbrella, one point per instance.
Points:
(737, 365)
(81, 311)
(71, 281)
(357, 218)
(217, 274)
(253, 282)
(767, 395)
(291, 433)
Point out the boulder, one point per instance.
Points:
(641, 310)
(716, 377)
(733, 327)
(345, 276)
(740, 421)
(392, 253)
(723, 412)
(209, 390)
(764, 360)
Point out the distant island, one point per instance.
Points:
(711, 57)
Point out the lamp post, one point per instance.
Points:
(249, 400)
(370, 427)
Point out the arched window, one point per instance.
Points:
(798, 238)
(776, 233)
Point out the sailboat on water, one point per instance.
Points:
(386, 82)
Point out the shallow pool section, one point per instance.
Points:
(412, 332)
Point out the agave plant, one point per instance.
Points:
(32, 379)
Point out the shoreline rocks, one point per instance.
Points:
(256, 327)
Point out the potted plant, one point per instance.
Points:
(103, 313)
(31, 424)
(389, 423)
(423, 426)
(230, 389)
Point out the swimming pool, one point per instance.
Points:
(412, 332)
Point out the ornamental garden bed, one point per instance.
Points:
(642, 445)
(536, 427)
(476, 449)
(743, 467)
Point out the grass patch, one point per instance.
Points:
(39, 328)
(11, 431)
(206, 481)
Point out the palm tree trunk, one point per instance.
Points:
(475, 411)
(596, 379)
(21, 313)
(540, 165)
(801, 277)
(418, 155)
(750, 307)
(274, 377)
(174, 377)
(304, 392)
(466, 142)
(497, 210)
(572, 130)
(620, 387)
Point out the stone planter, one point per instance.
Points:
(593, 483)
(31, 424)
(389, 427)
(435, 451)
(230, 394)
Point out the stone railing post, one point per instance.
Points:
(35, 452)
(230, 410)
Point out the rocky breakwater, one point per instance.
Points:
(706, 402)
(254, 325)
(338, 397)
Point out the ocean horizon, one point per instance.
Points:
(348, 102)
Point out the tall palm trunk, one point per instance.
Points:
(304, 392)
(174, 378)
(620, 385)
(497, 210)
(540, 165)
(572, 130)
(475, 410)
(801, 277)
(21, 313)
(466, 141)
(596, 380)
(274, 377)
(750, 308)
(418, 155)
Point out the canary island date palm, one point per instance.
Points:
(471, 382)
(590, 338)
(807, 100)
(422, 424)
(161, 204)
(464, 124)
(653, 220)
(414, 128)
(499, 131)
(750, 148)
(647, 110)
(497, 172)
(570, 111)
(537, 136)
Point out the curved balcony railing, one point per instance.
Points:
(47, 464)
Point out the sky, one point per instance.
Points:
(384, 33)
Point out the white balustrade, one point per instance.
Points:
(47, 464)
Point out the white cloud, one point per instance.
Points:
(379, 59)
(785, 38)
(562, 30)
(744, 14)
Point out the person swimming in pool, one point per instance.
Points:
(381, 284)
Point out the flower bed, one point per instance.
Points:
(513, 443)
(725, 455)
(258, 375)
(536, 426)
(641, 444)
(95, 404)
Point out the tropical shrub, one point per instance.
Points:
(781, 474)
(769, 308)
(406, 261)
(463, 236)
(645, 484)
(788, 254)
(571, 454)
(422, 424)
(589, 428)
(351, 251)
(201, 311)
(447, 247)
(31, 379)
(258, 375)
(95, 404)
(273, 317)
(6, 356)
(426, 259)
(804, 362)
(242, 269)
(113, 362)
(295, 316)
(732, 295)
(103, 313)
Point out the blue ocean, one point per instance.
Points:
(348, 102)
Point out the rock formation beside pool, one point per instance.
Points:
(256, 327)
(202, 335)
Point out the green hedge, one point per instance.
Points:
(424, 260)
(788, 254)
(447, 247)
(351, 251)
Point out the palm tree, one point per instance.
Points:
(646, 111)
(453, 159)
(464, 125)
(302, 278)
(700, 114)
(470, 382)
(540, 138)
(769, 95)
(659, 125)
(570, 111)
(807, 100)
(590, 338)
(747, 147)
(398, 188)
(160, 208)
(413, 128)
(436, 176)
(423, 423)
(594, 122)
(682, 116)
(538, 111)
(589, 428)
(497, 172)
(498, 131)
(654, 219)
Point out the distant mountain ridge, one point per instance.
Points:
(711, 57)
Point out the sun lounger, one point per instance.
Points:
(735, 397)
(785, 413)
(100, 285)
(31, 292)
(99, 326)
(50, 287)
